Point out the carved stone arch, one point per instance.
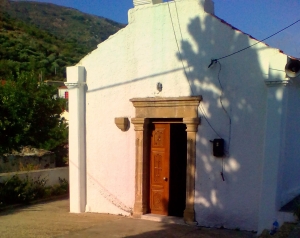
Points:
(169, 107)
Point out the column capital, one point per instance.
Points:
(139, 123)
(191, 124)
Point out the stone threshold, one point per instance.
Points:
(164, 219)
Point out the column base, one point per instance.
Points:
(139, 210)
(137, 215)
(194, 223)
(189, 216)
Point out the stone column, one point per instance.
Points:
(191, 128)
(77, 160)
(141, 167)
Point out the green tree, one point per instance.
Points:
(30, 115)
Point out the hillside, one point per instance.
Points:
(45, 38)
(63, 22)
(24, 47)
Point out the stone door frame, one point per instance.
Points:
(164, 107)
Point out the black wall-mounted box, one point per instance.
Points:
(218, 147)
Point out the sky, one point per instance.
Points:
(259, 18)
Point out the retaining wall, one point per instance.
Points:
(52, 175)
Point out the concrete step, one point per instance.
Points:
(165, 219)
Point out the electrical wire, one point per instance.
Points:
(178, 48)
(229, 118)
(178, 21)
(205, 117)
(220, 67)
(221, 102)
(201, 108)
(215, 60)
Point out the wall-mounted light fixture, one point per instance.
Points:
(122, 123)
(292, 67)
(159, 87)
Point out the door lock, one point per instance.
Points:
(166, 179)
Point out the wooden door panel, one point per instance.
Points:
(159, 137)
(157, 160)
(159, 169)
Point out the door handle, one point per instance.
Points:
(164, 178)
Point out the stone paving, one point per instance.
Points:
(52, 219)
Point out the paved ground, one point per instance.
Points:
(296, 232)
(53, 219)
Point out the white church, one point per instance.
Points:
(167, 119)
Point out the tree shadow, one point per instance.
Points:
(233, 108)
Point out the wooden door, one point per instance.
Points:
(160, 169)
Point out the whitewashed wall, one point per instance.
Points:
(130, 64)
(289, 187)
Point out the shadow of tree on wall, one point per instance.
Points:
(240, 121)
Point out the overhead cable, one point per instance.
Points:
(215, 60)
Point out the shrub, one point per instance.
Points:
(297, 210)
(17, 191)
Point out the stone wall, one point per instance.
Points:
(27, 159)
(51, 175)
